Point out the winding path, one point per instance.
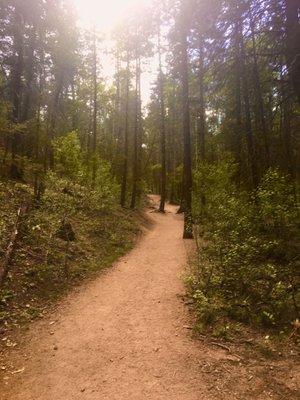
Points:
(122, 336)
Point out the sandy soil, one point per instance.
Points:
(126, 336)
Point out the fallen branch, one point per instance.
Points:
(222, 346)
(8, 256)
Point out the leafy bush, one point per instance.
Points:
(68, 156)
(248, 248)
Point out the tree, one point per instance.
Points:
(162, 126)
(187, 162)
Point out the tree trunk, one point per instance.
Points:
(137, 126)
(238, 103)
(292, 9)
(17, 72)
(259, 97)
(95, 110)
(187, 163)
(8, 255)
(201, 114)
(126, 132)
(162, 131)
(29, 75)
(246, 98)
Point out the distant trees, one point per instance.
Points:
(232, 147)
(240, 96)
(227, 87)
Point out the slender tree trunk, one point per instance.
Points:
(162, 131)
(29, 75)
(17, 72)
(292, 8)
(51, 125)
(201, 110)
(136, 172)
(238, 103)
(187, 163)
(118, 120)
(201, 114)
(246, 98)
(126, 133)
(286, 129)
(74, 110)
(259, 97)
(95, 110)
(172, 146)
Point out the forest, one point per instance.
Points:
(217, 134)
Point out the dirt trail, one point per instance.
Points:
(124, 335)
(121, 336)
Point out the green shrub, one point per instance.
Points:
(251, 257)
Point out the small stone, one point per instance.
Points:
(82, 390)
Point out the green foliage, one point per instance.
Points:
(248, 251)
(68, 156)
(45, 265)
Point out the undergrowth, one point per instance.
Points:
(247, 266)
(70, 233)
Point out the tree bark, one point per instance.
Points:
(259, 97)
(95, 109)
(201, 114)
(17, 72)
(162, 131)
(8, 256)
(292, 9)
(246, 98)
(126, 132)
(137, 128)
(187, 163)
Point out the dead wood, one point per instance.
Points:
(9, 253)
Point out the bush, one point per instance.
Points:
(250, 256)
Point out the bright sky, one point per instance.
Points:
(106, 14)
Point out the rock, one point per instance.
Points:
(66, 232)
(55, 347)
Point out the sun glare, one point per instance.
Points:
(105, 14)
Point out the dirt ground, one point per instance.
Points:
(127, 336)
